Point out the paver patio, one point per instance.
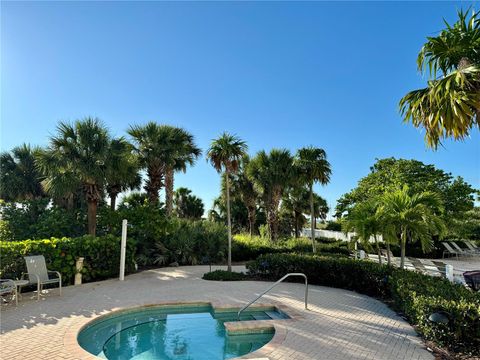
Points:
(339, 324)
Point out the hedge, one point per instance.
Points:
(246, 248)
(101, 256)
(414, 294)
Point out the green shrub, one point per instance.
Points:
(414, 294)
(246, 248)
(101, 254)
(222, 275)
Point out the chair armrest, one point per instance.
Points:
(59, 276)
(30, 274)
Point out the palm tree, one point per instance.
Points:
(184, 152)
(188, 206)
(225, 154)
(152, 145)
(272, 174)
(450, 104)
(297, 201)
(245, 190)
(122, 169)
(364, 220)
(313, 167)
(411, 217)
(320, 209)
(19, 177)
(77, 157)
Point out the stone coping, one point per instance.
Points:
(72, 346)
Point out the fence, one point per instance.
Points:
(337, 235)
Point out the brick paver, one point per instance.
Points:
(338, 325)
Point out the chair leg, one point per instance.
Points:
(60, 286)
(39, 287)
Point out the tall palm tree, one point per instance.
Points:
(271, 174)
(411, 217)
(364, 220)
(313, 167)
(122, 169)
(153, 147)
(184, 152)
(225, 154)
(19, 177)
(245, 190)
(75, 157)
(450, 104)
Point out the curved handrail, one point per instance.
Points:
(275, 284)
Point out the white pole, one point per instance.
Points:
(449, 272)
(123, 246)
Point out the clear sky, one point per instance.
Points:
(278, 74)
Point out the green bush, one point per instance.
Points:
(414, 294)
(222, 275)
(102, 256)
(246, 248)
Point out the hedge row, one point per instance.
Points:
(101, 256)
(246, 248)
(414, 294)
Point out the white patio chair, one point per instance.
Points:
(449, 250)
(38, 274)
(461, 251)
(471, 245)
(8, 287)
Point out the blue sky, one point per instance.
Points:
(278, 74)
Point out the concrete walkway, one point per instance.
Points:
(339, 325)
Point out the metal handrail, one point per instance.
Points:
(271, 287)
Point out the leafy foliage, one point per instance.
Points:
(415, 294)
(19, 176)
(222, 275)
(187, 206)
(102, 256)
(450, 104)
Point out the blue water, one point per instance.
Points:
(173, 333)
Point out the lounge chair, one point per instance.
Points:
(461, 251)
(38, 274)
(472, 246)
(449, 250)
(428, 269)
(8, 287)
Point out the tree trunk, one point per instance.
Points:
(378, 249)
(153, 184)
(403, 242)
(229, 223)
(312, 219)
(296, 224)
(113, 200)
(169, 178)
(251, 220)
(389, 260)
(92, 216)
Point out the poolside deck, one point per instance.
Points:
(340, 324)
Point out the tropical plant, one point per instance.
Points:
(411, 217)
(19, 177)
(225, 154)
(272, 174)
(450, 104)
(320, 209)
(184, 152)
(364, 220)
(244, 189)
(153, 147)
(187, 206)
(297, 202)
(76, 158)
(313, 167)
(122, 169)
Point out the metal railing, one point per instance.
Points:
(275, 284)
